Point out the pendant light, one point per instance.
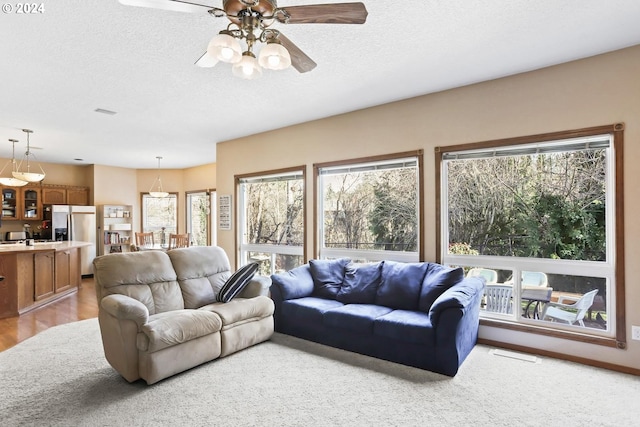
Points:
(156, 190)
(11, 181)
(28, 175)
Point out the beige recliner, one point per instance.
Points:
(158, 313)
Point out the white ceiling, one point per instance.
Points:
(57, 67)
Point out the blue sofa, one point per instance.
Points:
(419, 314)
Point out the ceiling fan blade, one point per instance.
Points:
(174, 5)
(335, 13)
(299, 60)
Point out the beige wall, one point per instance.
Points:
(591, 92)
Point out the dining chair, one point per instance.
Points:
(178, 240)
(144, 239)
(570, 313)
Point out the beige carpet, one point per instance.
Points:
(60, 378)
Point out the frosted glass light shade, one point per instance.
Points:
(248, 67)
(28, 176)
(158, 193)
(274, 56)
(225, 48)
(12, 182)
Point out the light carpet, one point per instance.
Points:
(60, 378)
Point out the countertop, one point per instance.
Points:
(41, 246)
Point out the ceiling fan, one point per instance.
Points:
(250, 21)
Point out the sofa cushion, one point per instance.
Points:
(404, 325)
(438, 279)
(327, 276)
(309, 309)
(236, 283)
(176, 327)
(354, 317)
(296, 283)
(360, 283)
(201, 271)
(400, 284)
(241, 310)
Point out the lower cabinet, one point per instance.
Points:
(67, 270)
(43, 267)
(29, 280)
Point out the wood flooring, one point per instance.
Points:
(80, 305)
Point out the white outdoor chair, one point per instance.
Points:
(490, 276)
(498, 298)
(570, 313)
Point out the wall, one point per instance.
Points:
(590, 92)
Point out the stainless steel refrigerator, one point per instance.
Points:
(77, 223)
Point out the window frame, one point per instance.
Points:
(318, 218)
(189, 214)
(273, 250)
(143, 196)
(618, 258)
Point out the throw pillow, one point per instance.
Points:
(400, 284)
(327, 276)
(360, 283)
(438, 279)
(237, 282)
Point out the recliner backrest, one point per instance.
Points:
(147, 276)
(201, 272)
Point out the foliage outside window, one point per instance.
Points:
(160, 216)
(199, 217)
(370, 209)
(272, 219)
(537, 217)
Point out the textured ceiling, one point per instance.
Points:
(57, 67)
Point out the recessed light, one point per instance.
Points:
(79, 160)
(103, 111)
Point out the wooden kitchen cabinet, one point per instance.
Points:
(64, 195)
(43, 280)
(23, 203)
(67, 269)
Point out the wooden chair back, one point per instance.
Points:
(144, 239)
(179, 240)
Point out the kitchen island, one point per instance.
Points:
(32, 276)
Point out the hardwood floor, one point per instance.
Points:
(77, 306)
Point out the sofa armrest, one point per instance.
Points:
(464, 295)
(296, 283)
(259, 285)
(123, 307)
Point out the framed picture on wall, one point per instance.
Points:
(224, 212)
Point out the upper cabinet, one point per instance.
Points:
(26, 203)
(22, 203)
(65, 195)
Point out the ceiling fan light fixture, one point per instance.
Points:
(248, 67)
(274, 56)
(224, 47)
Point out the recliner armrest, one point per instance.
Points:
(259, 285)
(125, 308)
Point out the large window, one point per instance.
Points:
(272, 219)
(199, 217)
(160, 216)
(540, 219)
(370, 209)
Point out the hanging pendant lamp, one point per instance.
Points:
(11, 181)
(156, 188)
(27, 175)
